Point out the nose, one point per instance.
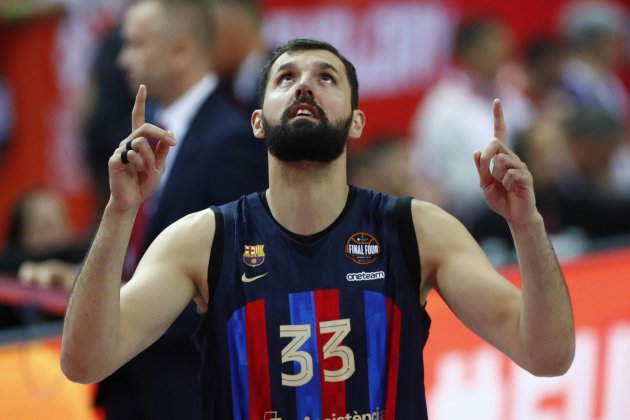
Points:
(303, 89)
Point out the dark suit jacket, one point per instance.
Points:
(219, 160)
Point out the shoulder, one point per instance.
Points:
(435, 226)
(441, 237)
(187, 236)
(432, 223)
(185, 246)
(429, 212)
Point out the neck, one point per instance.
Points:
(183, 83)
(307, 197)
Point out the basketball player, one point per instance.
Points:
(314, 291)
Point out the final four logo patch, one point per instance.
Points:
(254, 255)
(363, 248)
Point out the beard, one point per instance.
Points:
(306, 140)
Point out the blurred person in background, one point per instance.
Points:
(168, 46)
(585, 195)
(42, 248)
(593, 136)
(41, 230)
(541, 88)
(594, 31)
(240, 51)
(449, 123)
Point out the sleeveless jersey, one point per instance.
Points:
(327, 326)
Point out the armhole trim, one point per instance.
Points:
(216, 252)
(408, 240)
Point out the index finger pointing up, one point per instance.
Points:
(500, 129)
(137, 114)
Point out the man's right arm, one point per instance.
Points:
(92, 342)
(92, 319)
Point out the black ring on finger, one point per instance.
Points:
(123, 157)
(128, 145)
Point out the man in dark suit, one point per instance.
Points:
(168, 46)
(240, 51)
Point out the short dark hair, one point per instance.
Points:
(471, 31)
(593, 124)
(301, 44)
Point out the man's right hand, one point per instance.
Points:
(133, 182)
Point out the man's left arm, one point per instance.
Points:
(546, 321)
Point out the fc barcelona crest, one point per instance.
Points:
(254, 255)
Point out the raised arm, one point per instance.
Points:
(105, 325)
(533, 326)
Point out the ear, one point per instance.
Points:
(358, 122)
(257, 125)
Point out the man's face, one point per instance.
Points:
(306, 112)
(142, 57)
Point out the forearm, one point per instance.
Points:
(546, 320)
(91, 327)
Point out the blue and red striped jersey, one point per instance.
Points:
(327, 326)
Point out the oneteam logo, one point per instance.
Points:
(365, 276)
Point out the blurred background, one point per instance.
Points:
(428, 71)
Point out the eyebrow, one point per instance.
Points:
(322, 65)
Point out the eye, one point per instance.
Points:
(327, 78)
(285, 78)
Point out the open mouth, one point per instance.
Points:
(304, 110)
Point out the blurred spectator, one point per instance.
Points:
(594, 31)
(452, 120)
(593, 137)
(240, 51)
(586, 195)
(383, 165)
(541, 90)
(41, 249)
(41, 230)
(544, 58)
